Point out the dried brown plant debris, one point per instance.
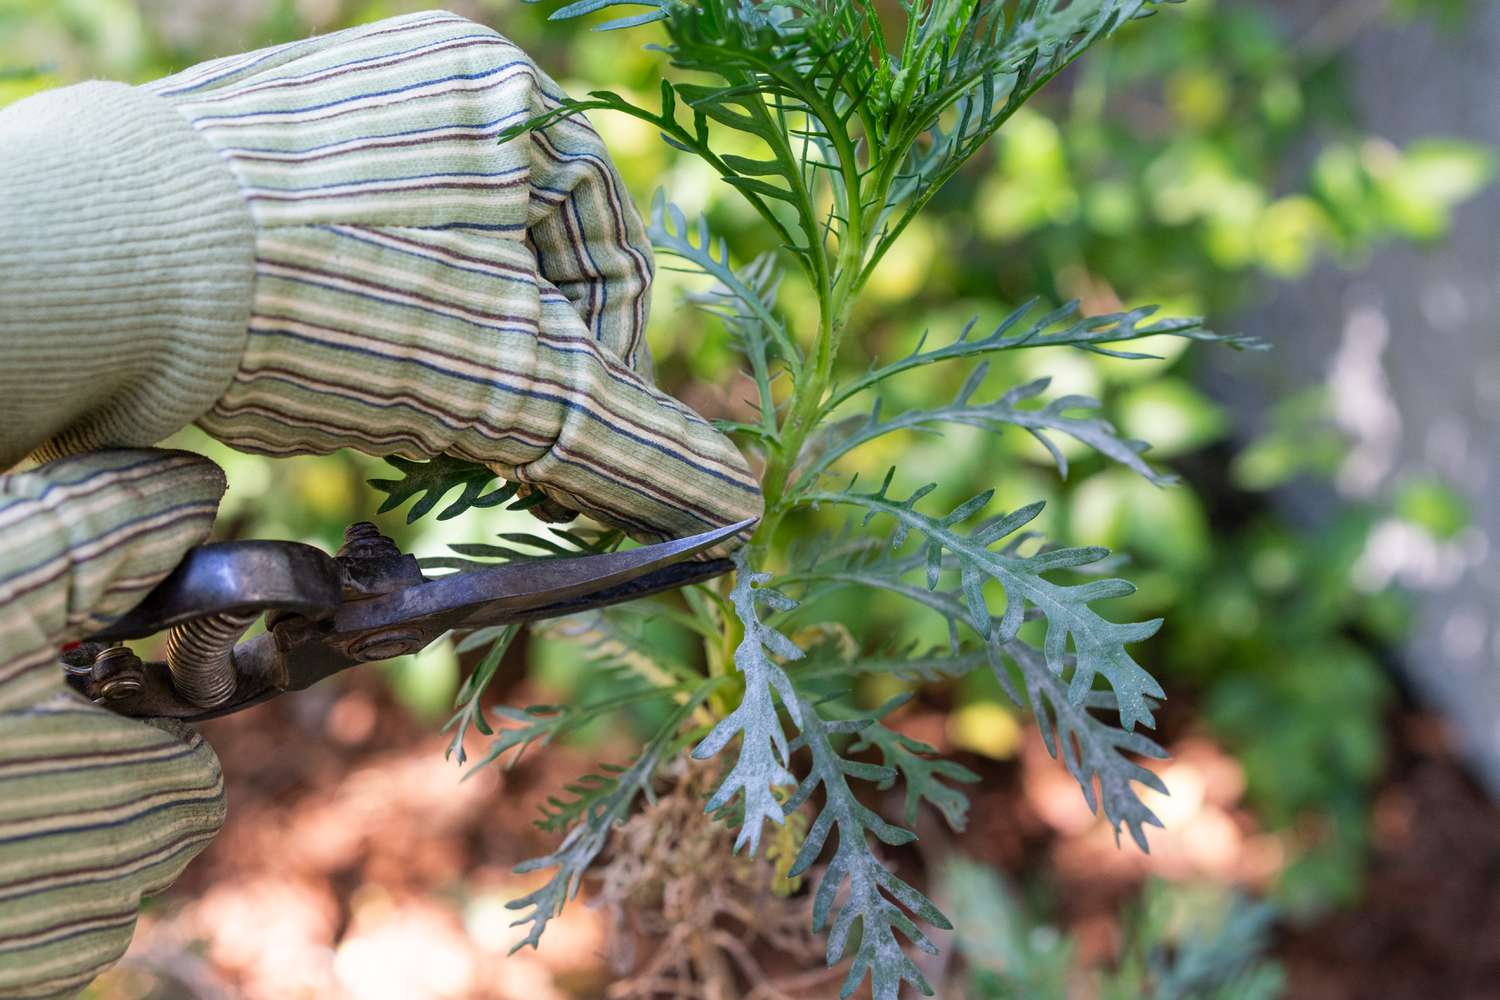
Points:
(689, 924)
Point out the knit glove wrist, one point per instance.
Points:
(126, 266)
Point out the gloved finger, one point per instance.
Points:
(82, 540)
(126, 261)
(422, 288)
(625, 452)
(418, 343)
(96, 810)
(584, 229)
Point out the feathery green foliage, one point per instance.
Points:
(1093, 431)
(836, 130)
(873, 890)
(599, 804)
(430, 481)
(764, 752)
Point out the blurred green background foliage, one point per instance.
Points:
(1193, 162)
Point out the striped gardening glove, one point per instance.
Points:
(96, 810)
(316, 246)
(323, 245)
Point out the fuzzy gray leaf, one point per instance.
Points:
(764, 751)
(921, 771)
(1101, 747)
(1095, 432)
(1098, 644)
(1090, 748)
(876, 898)
(1061, 327)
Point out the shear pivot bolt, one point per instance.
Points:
(117, 673)
(385, 644)
(363, 540)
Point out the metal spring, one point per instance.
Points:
(199, 656)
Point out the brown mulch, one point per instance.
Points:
(1426, 927)
(350, 840)
(1429, 924)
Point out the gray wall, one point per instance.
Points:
(1410, 349)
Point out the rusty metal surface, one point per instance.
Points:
(235, 577)
(369, 602)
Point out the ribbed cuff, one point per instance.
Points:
(126, 272)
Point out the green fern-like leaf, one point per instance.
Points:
(598, 809)
(619, 658)
(837, 117)
(1061, 327)
(539, 725)
(585, 794)
(557, 543)
(761, 766)
(1098, 643)
(874, 897)
(469, 714)
(655, 10)
(1095, 432)
(614, 643)
(909, 663)
(432, 480)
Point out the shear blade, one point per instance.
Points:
(663, 578)
(520, 591)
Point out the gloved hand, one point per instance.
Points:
(309, 247)
(322, 245)
(96, 810)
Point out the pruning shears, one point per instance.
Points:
(369, 601)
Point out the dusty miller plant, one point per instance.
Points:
(855, 125)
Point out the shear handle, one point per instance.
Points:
(233, 578)
(334, 625)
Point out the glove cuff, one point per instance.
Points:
(126, 271)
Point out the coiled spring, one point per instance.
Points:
(200, 657)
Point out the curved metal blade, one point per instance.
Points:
(665, 578)
(518, 591)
